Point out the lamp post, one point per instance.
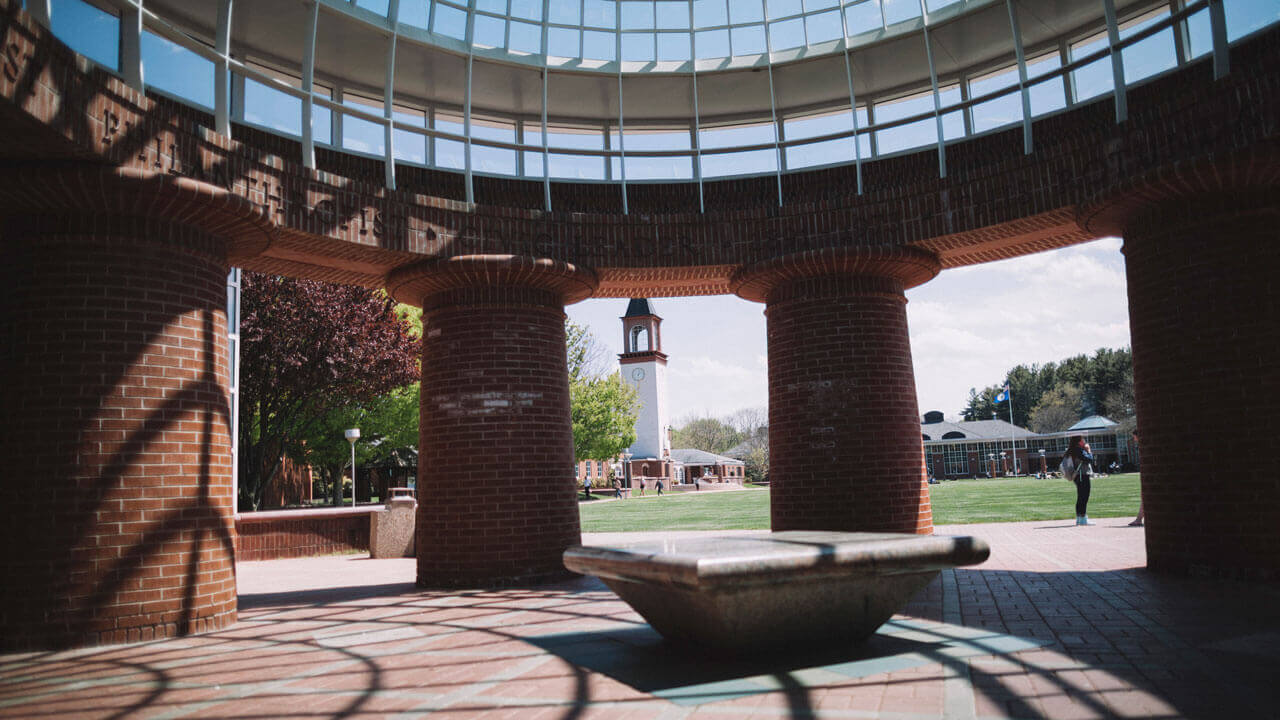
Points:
(352, 436)
(1044, 465)
(991, 463)
(626, 469)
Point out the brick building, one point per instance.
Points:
(995, 448)
(493, 169)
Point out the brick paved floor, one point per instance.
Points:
(1061, 622)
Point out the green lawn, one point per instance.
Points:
(954, 503)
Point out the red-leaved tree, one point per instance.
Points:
(308, 348)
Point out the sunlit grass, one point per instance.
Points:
(954, 503)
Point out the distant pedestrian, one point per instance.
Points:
(1137, 522)
(659, 486)
(586, 487)
(642, 486)
(1081, 473)
(617, 489)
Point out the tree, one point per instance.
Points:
(707, 433)
(604, 417)
(603, 408)
(388, 423)
(753, 451)
(309, 348)
(1057, 409)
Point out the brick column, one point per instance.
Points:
(1204, 309)
(845, 450)
(497, 496)
(114, 433)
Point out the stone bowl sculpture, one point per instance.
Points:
(810, 589)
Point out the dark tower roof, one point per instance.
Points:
(639, 307)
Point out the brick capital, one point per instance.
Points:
(903, 267)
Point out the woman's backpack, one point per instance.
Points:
(1068, 468)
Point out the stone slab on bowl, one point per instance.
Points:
(796, 589)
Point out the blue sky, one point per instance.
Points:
(968, 326)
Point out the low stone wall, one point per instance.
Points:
(302, 533)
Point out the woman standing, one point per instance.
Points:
(1079, 451)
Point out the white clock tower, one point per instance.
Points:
(644, 366)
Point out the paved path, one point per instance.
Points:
(1061, 622)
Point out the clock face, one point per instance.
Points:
(638, 374)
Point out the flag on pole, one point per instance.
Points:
(1004, 394)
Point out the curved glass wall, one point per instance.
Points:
(637, 91)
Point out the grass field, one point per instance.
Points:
(954, 503)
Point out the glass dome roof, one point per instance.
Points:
(636, 91)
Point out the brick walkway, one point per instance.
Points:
(1062, 622)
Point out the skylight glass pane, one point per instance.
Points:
(488, 159)
(414, 13)
(745, 11)
(1246, 16)
(673, 46)
(527, 9)
(903, 137)
(748, 40)
(576, 167)
(89, 31)
(712, 44)
(739, 136)
(896, 11)
(823, 27)
(1200, 34)
(497, 7)
(176, 70)
(864, 17)
(783, 8)
(361, 135)
(710, 13)
(637, 16)
(526, 37)
(751, 162)
(824, 152)
(673, 15)
(533, 159)
(377, 6)
(449, 153)
(659, 168)
(935, 5)
(271, 108)
(1050, 95)
(450, 22)
(563, 42)
(637, 47)
(490, 31)
(565, 12)
(409, 146)
(1095, 78)
(786, 34)
(1151, 56)
(812, 5)
(952, 122)
(1001, 111)
(600, 13)
(807, 127)
(598, 45)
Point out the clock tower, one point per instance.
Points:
(644, 367)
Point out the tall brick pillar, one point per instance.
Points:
(1204, 311)
(497, 496)
(845, 450)
(117, 518)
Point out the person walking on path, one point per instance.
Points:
(617, 489)
(659, 486)
(642, 486)
(1082, 457)
(1137, 522)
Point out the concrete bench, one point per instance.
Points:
(736, 593)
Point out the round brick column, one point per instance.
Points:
(1204, 310)
(845, 450)
(114, 433)
(497, 497)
